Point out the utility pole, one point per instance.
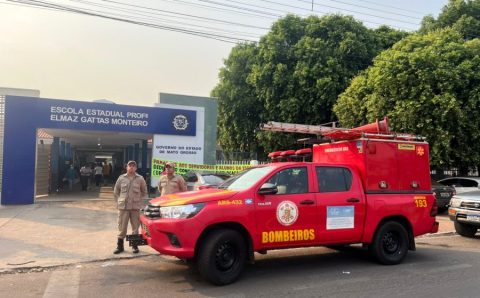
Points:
(312, 5)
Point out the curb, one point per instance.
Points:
(439, 235)
(50, 267)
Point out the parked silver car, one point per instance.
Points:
(201, 180)
(462, 184)
(465, 212)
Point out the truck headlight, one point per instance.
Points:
(455, 202)
(181, 211)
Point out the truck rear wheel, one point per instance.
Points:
(221, 258)
(390, 244)
(465, 230)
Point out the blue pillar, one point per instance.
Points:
(125, 156)
(144, 156)
(130, 152)
(136, 152)
(69, 152)
(54, 157)
(62, 149)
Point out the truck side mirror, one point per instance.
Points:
(268, 189)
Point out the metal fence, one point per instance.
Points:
(438, 174)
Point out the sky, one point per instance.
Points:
(179, 48)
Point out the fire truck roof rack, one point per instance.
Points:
(376, 130)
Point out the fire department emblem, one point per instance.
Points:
(287, 213)
(420, 151)
(180, 122)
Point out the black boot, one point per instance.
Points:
(135, 249)
(119, 246)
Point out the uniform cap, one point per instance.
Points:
(170, 164)
(132, 162)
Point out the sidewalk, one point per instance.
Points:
(72, 228)
(61, 230)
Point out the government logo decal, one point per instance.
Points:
(287, 213)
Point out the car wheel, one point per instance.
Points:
(390, 243)
(222, 257)
(465, 230)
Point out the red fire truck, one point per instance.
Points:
(364, 186)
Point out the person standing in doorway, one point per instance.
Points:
(98, 174)
(85, 173)
(71, 175)
(129, 191)
(171, 182)
(106, 173)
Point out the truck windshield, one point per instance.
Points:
(245, 179)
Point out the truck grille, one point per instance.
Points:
(152, 211)
(471, 205)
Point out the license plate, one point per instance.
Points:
(473, 218)
(444, 194)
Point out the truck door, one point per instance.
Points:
(340, 203)
(288, 217)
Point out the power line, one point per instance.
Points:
(162, 20)
(188, 15)
(374, 9)
(394, 7)
(326, 13)
(241, 8)
(64, 8)
(362, 13)
(221, 9)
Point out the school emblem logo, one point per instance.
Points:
(180, 122)
(287, 213)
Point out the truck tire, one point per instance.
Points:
(465, 230)
(222, 257)
(390, 243)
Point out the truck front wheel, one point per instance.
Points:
(390, 244)
(221, 258)
(465, 230)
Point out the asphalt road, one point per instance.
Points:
(446, 266)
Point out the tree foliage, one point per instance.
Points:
(461, 15)
(239, 111)
(294, 75)
(428, 85)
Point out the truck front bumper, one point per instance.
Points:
(174, 237)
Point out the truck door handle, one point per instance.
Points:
(353, 200)
(307, 202)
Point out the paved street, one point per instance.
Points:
(62, 247)
(445, 266)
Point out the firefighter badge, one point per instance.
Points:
(287, 213)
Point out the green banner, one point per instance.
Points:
(182, 167)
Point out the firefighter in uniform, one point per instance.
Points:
(130, 190)
(171, 182)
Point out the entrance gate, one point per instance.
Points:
(24, 115)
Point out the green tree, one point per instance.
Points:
(295, 75)
(428, 85)
(238, 108)
(304, 64)
(462, 15)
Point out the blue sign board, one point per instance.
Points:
(24, 115)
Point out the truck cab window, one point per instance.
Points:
(291, 181)
(333, 179)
